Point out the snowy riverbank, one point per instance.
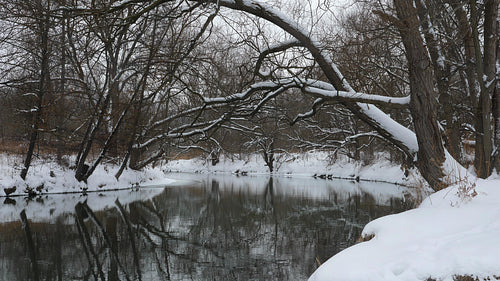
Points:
(455, 232)
(308, 164)
(47, 177)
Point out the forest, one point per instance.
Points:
(134, 82)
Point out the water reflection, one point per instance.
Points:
(223, 228)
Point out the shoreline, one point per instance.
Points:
(47, 177)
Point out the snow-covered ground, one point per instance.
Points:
(47, 177)
(454, 232)
(302, 165)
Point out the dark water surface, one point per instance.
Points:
(220, 228)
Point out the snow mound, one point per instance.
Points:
(455, 231)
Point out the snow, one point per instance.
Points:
(455, 231)
(239, 96)
(57, 179)
(398, 131)
(301, 165)
(359, 96)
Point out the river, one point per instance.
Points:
(207, 227)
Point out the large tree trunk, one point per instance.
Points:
(423, 97)
(442, 76)
(484, 144)
(490, 80)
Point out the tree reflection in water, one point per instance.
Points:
(217, 230)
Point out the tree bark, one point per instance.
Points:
(423, 97)
(490, 80)
(496, 107)
(81, 167)
(442, 75)
(484, 145)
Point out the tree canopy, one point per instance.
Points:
(141, 80)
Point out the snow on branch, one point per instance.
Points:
(323, 90)
(184, 131)
(316, 105)
(270, 96)
(396, 133)
(358, 97)
(334, 144)
(281, 47)
(181, 114)
(260, 86)
(243, 129)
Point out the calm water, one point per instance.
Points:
(219, 228)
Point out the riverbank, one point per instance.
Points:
(453, 235)
(317, 164)
(46, 176)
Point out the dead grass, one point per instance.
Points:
(185, 155)
(20, 147)
(13, 147)
(365, 238)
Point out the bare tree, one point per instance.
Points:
(29, 24)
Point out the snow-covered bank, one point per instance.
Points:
(302, 164)
(46, 176)
(454, 232)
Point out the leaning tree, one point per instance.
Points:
(425, 144)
